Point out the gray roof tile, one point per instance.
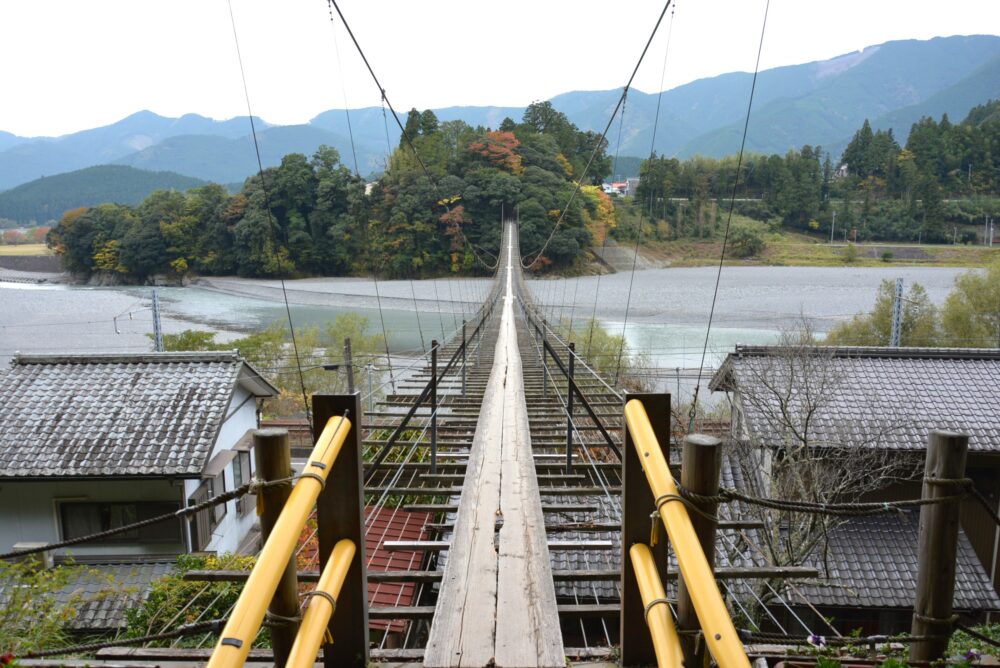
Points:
(100, 415)
(892, 396)
(872, 562)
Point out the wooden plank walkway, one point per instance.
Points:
(497, 601)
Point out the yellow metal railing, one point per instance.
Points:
(723, 641)
(666, 644)
(248, 614)
(322, 604)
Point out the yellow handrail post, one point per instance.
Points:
(637, 502)
(340, 513)
(655, 608)
(322, 606)
(248, 613)
(723, 641)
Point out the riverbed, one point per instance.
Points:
(663, 312)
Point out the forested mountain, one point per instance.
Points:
(820, 103)
(48, 198)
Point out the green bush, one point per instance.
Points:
(746, 239)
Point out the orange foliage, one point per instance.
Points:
(499, 150)
(453, 221)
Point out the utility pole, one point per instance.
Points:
(833, 226)
(897, 314)
(157, 331)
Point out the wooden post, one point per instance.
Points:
(274, 462)
(349, 365)
(937, 545)
(340, 513)
(545, 366)
(637, 504)
(701, 461)
(434, 406)
(569, 409)
(464, 344)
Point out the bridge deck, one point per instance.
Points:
(497, 602)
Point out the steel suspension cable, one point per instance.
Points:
(638, 232)
(600, 142)
(729, 220)
(267, 207)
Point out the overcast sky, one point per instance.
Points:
(70, 65)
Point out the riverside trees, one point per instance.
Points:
(437, 206)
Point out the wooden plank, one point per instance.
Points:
(496, 604)
(528, 631)
(464, 626)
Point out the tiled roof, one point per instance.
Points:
(102, 593)
(872, 562)
(892, 397)
(101, 415)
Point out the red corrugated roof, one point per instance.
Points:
(385, 524)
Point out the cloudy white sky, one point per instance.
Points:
(70, 65)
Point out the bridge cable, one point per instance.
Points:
(267, 207)
(729, 220)
(600, 143)
(604, 243)
(406, 137)
(343, 89)
(638, 234)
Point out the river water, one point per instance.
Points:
(664, 314)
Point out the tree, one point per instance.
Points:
(746, 239)
(919, 323)
(38, 603)
(788, 448)
(970, 317)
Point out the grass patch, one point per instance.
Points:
(26, 249)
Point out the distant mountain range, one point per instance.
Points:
(48, 198)
(823, 103)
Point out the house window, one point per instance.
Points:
(241, 476)
(79, 519)
(206, 521)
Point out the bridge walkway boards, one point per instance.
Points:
(497, 603)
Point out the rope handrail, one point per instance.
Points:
(843, 509)
(533, 318)
(379, 458)
(248, 488)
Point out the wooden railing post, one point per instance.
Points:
(937, 544)
(340, 513)
(434, 405)
(569, 409)
(637, 504)
(274, 462)
(464, 344)
(349, 365)
(701, 461)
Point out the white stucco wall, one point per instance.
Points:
(29, 511)
(227, 535)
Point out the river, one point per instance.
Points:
(664, 315)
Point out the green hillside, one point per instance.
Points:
(47, 198)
